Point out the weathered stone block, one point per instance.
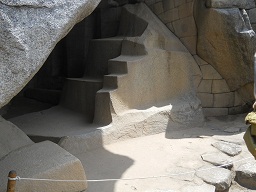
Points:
(199, 60)
(186, 10)
(205, 86)
(179, 2)
(224, 100)
(11, 138)
(185, 27)
(230, 149)
(150, 2)
(246, 175)
(227, 41)
(190, 43)
(209, 72)
(252, 15)
(220, 86)
(158, 8)
(219, 177)
(238, 101)
(168, 5)
(43, 160)
(242, 4)
(172, 15)
(215, 112)
(206, 99)
(169, 25)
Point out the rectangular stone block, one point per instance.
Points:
(224, 100)
(238, 101)
(150, 2)
(190, 43)
(209, 72)
(179, 2)
(214, 112)
(199, 60)
(172, 15)
(168, 5)
(186, 10)
(252, 15)
(185, 27)
(206, 99)
(220, 86)
(205, 86)
(158, 8)
(44, 160)
(169, 25)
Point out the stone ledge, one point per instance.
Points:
(43, 160)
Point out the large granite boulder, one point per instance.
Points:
(29, 30)
(227, 41)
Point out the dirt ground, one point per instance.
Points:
(169, 153)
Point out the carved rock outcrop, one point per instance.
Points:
(29, 30)
(227, 41)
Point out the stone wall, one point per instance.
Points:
(212, 88)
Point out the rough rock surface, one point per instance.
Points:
(246, 175)
(29, 30)
(11, 138)
(227, 43)
(242, 4)
(43, 160)
(228, 148)
(219, 177)
(199, 188)
(218, 159)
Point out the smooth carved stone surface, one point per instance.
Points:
(228, 148)
(45, 160)
(219, 177)
(11, 138)
(246, 175)
(228, 43)
(242, 4)
(29, 30)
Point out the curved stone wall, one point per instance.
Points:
(217, 96)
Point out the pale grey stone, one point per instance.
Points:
(11, 138)
(216, 43)
(242, 4)
(219, 177)
(185, 27)
(218, 159)
(230, 149)
(29, 30)
(246, 175)
(200, 188)
(43, 160)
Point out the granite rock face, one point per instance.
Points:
(29, 30)
(227, 41)
(242, 4)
